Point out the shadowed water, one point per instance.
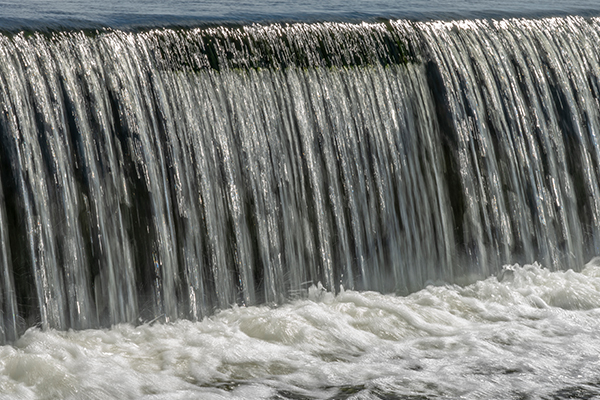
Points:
(164, 174)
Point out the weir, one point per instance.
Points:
(169, 173)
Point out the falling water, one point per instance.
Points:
(167, 173)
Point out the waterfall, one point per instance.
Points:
(168, 173)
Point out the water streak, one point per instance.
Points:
(167, 173)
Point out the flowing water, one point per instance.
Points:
(197, 206)
(533, 334)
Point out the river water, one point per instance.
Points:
(529, 334)
(289, 200)
(33, 14)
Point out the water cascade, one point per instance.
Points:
(166, 173)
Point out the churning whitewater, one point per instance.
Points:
(302, 210)
(528, 334)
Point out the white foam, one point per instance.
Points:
(531, 333)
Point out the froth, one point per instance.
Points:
(529, 332)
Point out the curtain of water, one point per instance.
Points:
(164, 174)
(523, 103)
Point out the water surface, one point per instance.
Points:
(34, 14)
(528, 334)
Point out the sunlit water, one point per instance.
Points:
(526, 334)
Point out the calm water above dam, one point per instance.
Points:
(34, 14)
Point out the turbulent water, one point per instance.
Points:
(169, 173)
(255, 201)
(529, 334)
